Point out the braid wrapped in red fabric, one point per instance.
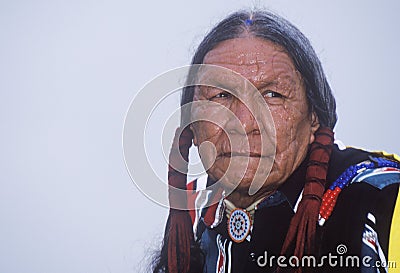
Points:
(303, 225)
(180, 225)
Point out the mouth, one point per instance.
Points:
(241, 154)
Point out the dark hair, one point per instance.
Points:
(281, 32)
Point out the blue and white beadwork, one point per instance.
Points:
(239, 225)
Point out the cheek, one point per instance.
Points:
(206, 131)
(285, 127)
(292, 127)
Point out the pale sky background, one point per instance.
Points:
(68, 71)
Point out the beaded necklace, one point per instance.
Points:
(346, 178)
(240, 221)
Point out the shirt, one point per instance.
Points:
(355, 238)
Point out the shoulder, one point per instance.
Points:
(377, 169)
(357, 183)
(366, 183)
(368, 201)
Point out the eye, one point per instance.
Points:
(272, 94)
(221, 95)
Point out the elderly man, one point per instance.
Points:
(283, 197)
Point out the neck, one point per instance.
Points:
(242, 199)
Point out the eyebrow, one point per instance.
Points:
(276, 79)
(230, 84)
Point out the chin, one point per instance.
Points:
(238, 181)
(239, 173)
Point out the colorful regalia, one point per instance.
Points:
(358, 228)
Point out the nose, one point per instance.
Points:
(247, 122)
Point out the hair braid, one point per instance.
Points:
(302, 229)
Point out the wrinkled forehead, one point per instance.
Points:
(254, 58)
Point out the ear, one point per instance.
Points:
(191, 127)
(314, 126)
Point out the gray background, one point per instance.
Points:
(68, 71)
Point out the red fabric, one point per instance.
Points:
(209, 216)
(178, 167)
(304, 223)
(180, 235)
(179, 241)
(191, 197)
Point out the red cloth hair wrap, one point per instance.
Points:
(302, 229)
(180, 231)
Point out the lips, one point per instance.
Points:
(243, 154)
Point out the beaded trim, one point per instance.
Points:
(239, 225)
(330, 197)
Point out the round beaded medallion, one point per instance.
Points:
(239, 225)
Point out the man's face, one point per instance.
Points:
(271, 71)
